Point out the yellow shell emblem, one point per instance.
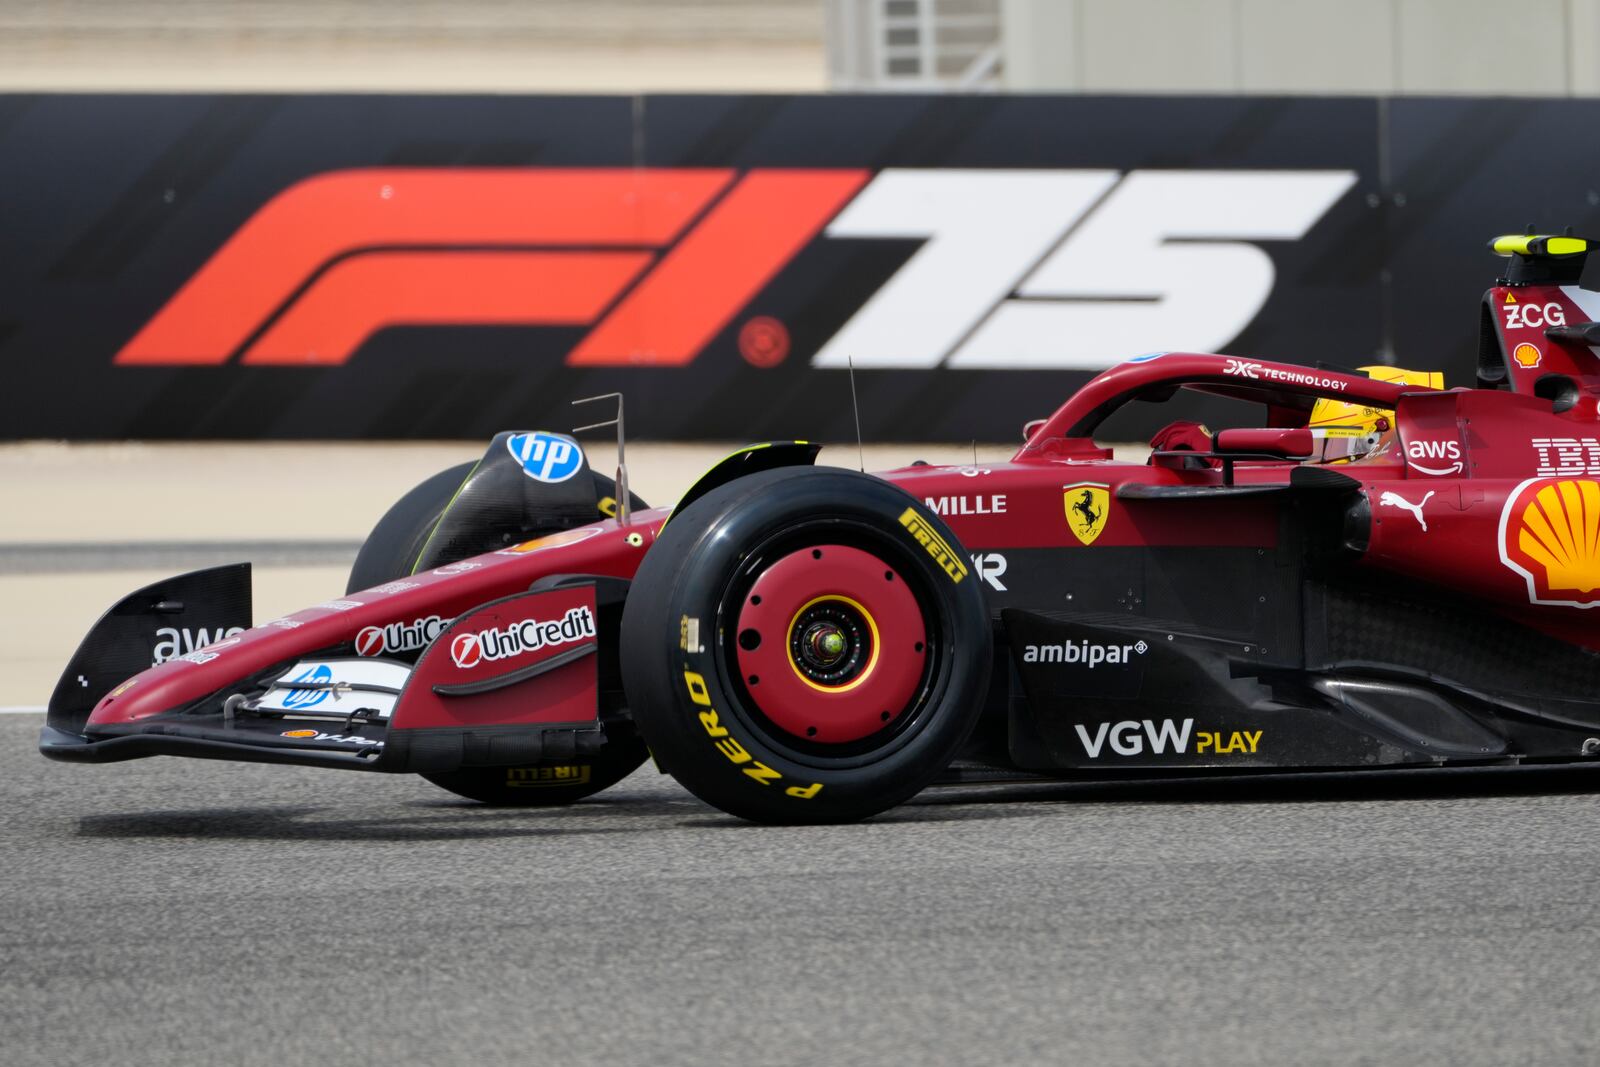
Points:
(555, 540)
(1088, 506)
(1551, 536)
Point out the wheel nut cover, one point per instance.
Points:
(831, 644)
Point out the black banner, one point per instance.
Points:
(445, 267)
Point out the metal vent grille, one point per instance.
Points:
(915, 45)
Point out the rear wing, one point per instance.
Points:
(1539, 327)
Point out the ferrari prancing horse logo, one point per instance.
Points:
(1088, 506)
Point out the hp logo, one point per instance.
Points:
(309, 698)
(546, 457)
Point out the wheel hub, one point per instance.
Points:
(831, 644)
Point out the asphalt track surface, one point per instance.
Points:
(169, 911)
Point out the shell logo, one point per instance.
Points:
(555, 540)
(1550, 534)
(1527, 356)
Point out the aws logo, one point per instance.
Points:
(1015, 267)
(1436, 458)
(1550, 535)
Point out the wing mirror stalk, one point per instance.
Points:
(1272, 443)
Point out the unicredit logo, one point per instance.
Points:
(470, 649)
(398, 636)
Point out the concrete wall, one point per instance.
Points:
(1532, 47)
(412, 45)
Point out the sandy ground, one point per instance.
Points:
(212, 492)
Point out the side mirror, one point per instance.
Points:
(1294, 443)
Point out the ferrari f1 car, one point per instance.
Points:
(1375, 572)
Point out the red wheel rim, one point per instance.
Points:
(831, 644)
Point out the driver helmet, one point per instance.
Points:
(1346, 431)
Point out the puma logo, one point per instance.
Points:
(1395, 500)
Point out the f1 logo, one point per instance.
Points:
(674, 253)
(1017, 268)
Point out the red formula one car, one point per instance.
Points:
(1367, 573)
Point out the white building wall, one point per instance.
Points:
(1530, 47)
(1157, 45)
(413, 45)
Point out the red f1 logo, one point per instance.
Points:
(336, 257)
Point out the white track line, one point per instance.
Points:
(21, 710)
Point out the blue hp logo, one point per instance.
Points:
(309, 698)
(548, 457)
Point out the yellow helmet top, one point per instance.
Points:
(1335, 419)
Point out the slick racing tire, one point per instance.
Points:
(805, 646)
(392, 548)
(390, 552)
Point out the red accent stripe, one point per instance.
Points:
(333, 214)
(365, 293)
(715, 271)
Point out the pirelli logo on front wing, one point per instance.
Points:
(937, 546)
